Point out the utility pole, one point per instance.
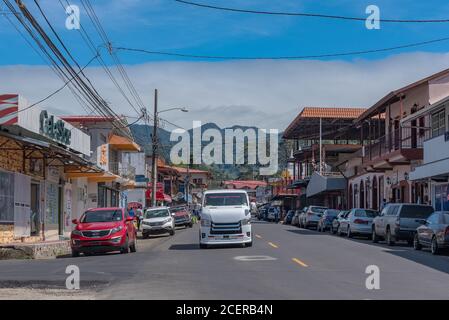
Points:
(155, 153)
(321, 146)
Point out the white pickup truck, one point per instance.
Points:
(225, 219)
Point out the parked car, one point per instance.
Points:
(301, 216)
(399, 222)
(272, 214)
(434, 233)
(289, 217)
(357, 222)
(326, 220)
(311, 217)
(104, 230)
(295, 219)
(158, 221)
(336, 222)
(182, 217)
(262, 213)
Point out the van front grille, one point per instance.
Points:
(226, 228)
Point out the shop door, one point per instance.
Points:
(35, 209)
(22, 206)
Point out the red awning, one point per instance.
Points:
(160, 196)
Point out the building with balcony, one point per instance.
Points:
(110, 140)
(433, 173)
(315, 172)
(380, 172)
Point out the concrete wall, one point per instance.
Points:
(439, 89)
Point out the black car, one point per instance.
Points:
(289, 217)
(434, 233)
(326, 220)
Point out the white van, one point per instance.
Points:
(225, 218)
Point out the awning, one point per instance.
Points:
(301, 183)
(123, 144)
(431, 170)
(320, 184)
(94, 177)
(160, 196)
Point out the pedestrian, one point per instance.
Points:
(383, 204)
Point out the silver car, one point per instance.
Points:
(434, 233)
(311, 217)
(358, 222)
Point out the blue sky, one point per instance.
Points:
(237, 92)
(171, 26)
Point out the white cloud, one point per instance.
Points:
(266, 94)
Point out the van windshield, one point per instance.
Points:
(318, 209)
(225, 199)
(413, 211)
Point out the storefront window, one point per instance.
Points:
(442, 197)
(6, 197)
(438, 123)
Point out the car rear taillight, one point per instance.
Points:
(446, 233)
(360, 221)
(397, 222)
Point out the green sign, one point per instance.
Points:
(55, 130)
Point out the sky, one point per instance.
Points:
(263, 93)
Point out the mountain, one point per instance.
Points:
(143, 136)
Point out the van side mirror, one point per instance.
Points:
(75, 221)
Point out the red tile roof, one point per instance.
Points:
(331, 113)
(191, 171)
(251, 184)
(85, 119)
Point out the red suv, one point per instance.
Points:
(104, 230)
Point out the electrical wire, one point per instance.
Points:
(57, 91)
(313, 56)
(310, 15)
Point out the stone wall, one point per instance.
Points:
(6, 234)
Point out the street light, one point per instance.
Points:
(173, 109)
(155, 145)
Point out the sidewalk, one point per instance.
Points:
(39, 250)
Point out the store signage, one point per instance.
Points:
(54, 129)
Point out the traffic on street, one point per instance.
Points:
(207, 150)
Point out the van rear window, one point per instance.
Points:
(413, 211)
(225, 199)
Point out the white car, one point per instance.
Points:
(158, 221)
(225, 219)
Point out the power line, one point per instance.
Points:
(310, 15)
(87, 90)
(57, 91)
(314, 56)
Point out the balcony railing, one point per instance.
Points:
(404, 138)
(123, 170)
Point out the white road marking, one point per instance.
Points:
(254, 258)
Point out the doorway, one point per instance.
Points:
(375, 196)
(35, 217)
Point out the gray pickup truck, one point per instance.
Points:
(399, 221)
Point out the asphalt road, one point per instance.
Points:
(284, 263)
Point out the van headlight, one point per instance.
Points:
(205, 223)
(246, 222)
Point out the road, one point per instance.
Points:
(284, 263)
